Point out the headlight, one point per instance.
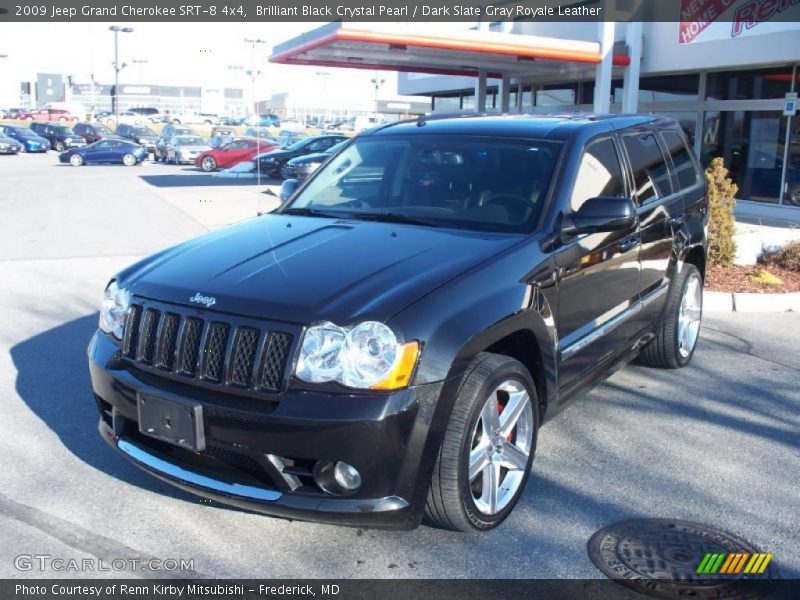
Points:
(114, 311)
(68, 140)
(311, 167)
(366, 355)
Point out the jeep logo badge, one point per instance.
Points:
(208, 301)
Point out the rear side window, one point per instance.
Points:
(650, 175)
(681, 159)
(599, 174)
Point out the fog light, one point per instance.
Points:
(337, 477)
(347, 476)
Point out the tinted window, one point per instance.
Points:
(681, 160)
(651, 179)
(599, 174)
(460, 181)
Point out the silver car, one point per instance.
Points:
(185, 148)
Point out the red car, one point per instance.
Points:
(233, 153)
(52, 114)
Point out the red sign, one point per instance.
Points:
(696, 15)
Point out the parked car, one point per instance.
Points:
(258, 132)
(387, 342)
(111, 151)
(287, 138)
(168, 132)
(185, 148)
(218, 141)
(29, 140)
(263, 120)
(220, 130)
(9, 145)
(302, 166)
(232, 121)
(127, 117)
(60, 137)
(141, 134)
(272, 162)
(20, 114)
(52, 114)
(93, 132)
(208, 119)
(149, 113)
(232, 154)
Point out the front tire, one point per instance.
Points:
(60, 146)
(676, 336)
(208, 164)
(76, 160)
(488, 448)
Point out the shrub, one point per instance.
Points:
(721, 200)
(765, 278)
(787, 257)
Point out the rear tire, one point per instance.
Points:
(676, 336)
(481, 453)
(128, 160)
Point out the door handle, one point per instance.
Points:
(629, 243)
(676, 221)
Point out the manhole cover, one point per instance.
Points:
(660, 558)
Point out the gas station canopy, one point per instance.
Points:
(467, 52)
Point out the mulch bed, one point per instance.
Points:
(736, 279)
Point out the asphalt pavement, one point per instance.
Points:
(717, 442)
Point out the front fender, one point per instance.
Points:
(470, 314)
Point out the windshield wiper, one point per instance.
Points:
(305, 211)
(392, 218)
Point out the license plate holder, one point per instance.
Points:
(172, 421)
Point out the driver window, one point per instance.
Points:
(599, 174)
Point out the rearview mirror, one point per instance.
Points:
(288, 188)
(600, 215)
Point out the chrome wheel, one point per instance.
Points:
(129, 160)
(501, 445)
(209, 164)
(689, 316)
(76, 160)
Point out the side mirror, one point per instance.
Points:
(288, 188)
(600, 215)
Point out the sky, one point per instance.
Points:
(177, 54)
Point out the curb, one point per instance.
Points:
(750, 302)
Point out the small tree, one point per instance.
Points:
(721, 200)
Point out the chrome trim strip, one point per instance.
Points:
(154, 463)
(612, 323)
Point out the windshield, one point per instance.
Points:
(61, 130)
(24, 131)
(144, 131)
(336, 147)
(469, 182)
(189, 140)
(102, 130)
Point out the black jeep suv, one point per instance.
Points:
(385, 345)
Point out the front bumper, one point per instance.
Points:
(383, 435)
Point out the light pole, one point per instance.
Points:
(117, 67)
(252, 72)
(377, 83)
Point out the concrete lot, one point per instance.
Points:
(718, 442)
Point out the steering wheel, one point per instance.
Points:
(521, 201)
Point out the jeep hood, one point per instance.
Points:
(302, 269)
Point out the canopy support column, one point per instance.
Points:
(602, 84)
(630, 91)
(480, 92)
(504, 91)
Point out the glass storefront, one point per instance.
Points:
(752, 143)
(740, 112)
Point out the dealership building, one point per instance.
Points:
(729, 84)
